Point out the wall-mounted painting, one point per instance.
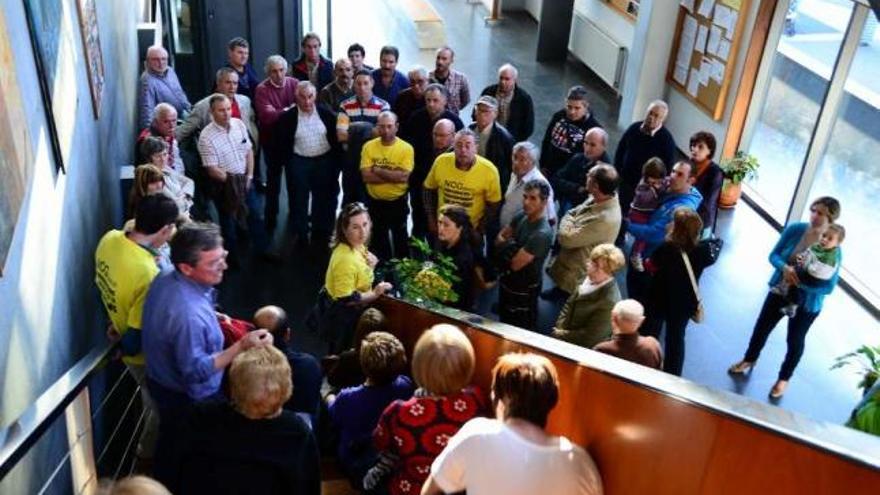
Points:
(15, 146)
(88, 25)
(52, 39)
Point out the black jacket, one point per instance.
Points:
(562, 139)
(224, 452)
(300, 70)
(499, 151)
(285, 131)
(521, 121)
(418, 133)
(569, 179)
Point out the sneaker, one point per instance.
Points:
(789, 310)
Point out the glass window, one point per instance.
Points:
(801, 69)
(848, 168)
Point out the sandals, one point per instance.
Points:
(740, 368)
(778, 389)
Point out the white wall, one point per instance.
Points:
(50, 313)
(612, 22)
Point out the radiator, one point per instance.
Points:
(598, 51)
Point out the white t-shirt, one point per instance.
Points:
(486, 457)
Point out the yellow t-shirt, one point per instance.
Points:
(348, 271)
(398, 156)
(123, 272)
(471, 189)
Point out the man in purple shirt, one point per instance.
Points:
(272, 97)
(182, 341)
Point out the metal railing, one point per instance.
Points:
(116, 422)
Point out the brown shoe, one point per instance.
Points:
(778, 389)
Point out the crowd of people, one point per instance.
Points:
(229, 401)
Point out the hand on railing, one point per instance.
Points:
(114, 336)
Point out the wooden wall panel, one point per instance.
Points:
(645, 439)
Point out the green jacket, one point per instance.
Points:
(585, 320)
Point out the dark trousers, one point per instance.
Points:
(419, 217)
(389, 220)
(353, 188)
(256, 227)
(637, 285)
(315, 178)
(673, 344)
(798, 326)
(518, 302)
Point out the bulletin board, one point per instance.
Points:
(707, 37)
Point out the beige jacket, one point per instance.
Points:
(580, 230)
(200, 116)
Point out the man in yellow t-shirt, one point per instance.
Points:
(125, 265)
(386, 163)
(465, 179)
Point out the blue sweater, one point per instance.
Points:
(654, 232)
(815, 295)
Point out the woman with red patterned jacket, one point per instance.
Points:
(411, 433)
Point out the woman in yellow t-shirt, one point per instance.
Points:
(348, 285)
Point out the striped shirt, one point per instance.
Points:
(225, 148)
(351, 110)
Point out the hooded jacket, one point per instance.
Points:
(654, 231)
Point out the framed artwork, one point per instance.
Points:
(52, 41)
(88, 25)
(16, 156)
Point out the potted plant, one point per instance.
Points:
(867, 359)
(741, 167)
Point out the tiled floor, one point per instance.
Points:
(733, 289)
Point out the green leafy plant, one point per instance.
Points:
(428, 278)
(867, 359)
(741, 167)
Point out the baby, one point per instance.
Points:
(813, 266)
(646, 200)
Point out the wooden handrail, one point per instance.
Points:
(650, 432)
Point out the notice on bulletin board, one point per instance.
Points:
(704, 51)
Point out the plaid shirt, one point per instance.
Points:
(224, 148)
(458, 88)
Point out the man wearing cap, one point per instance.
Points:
(494, 142)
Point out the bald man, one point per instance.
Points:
(569, 182)
(306, 372)
(516, 111)
(626, 343)
(158, 84)
(386, 164)
(642, 141)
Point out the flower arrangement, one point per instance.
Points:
(741, 167)
(427, 279)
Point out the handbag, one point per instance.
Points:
(700, 314)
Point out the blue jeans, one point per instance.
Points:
(256, 228)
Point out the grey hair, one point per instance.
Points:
(530, 148)
(439, 88)
(222, 71)
(163, 109)
(215, 98)
(274, 60)
(466, 132)
(628, 309)
(156, 48)
(659, 103)
(306, 85)
(601, 132)
(417, 70)
(511, 68)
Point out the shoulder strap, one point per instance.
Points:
(687, 264)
